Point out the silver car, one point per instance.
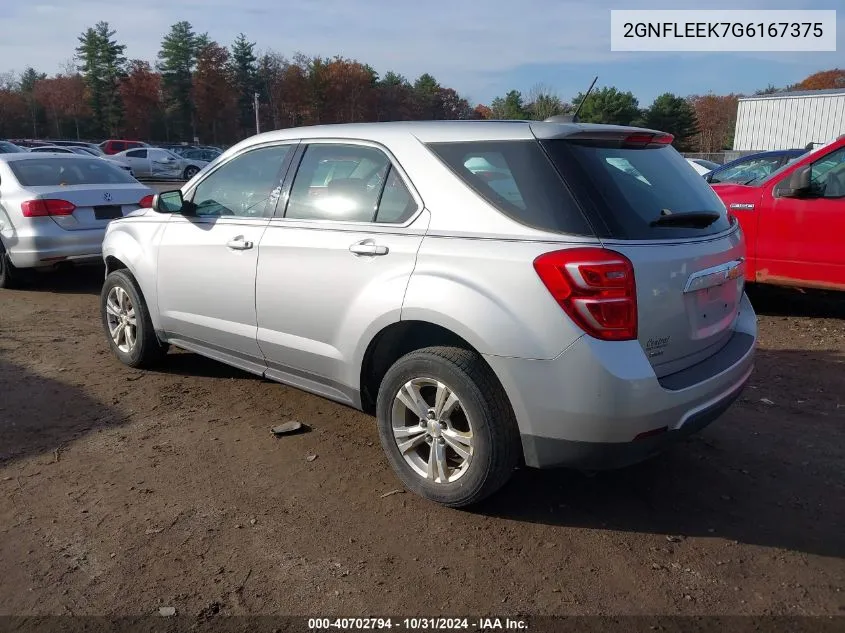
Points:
(54, 209)
(154, 162)
(555, 294)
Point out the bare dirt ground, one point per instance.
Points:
(122, 491)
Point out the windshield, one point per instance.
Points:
(747, 172)
(56, 171)
(10, 148)
(626, 190)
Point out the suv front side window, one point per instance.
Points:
(246, 186)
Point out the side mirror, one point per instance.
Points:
(798, 185)
(169, 202)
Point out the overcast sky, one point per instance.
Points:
(480, 49)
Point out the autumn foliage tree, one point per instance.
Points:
(13, 110)
(824, 80)
(140, 90)
(716, 116)
(214, 93)
(204, 89)
(63, 99)
(350, 87)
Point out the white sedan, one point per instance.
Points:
(154, 162)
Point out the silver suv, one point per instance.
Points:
(555, 294)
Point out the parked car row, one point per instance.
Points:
(171, 162)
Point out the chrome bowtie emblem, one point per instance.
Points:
(107, 196)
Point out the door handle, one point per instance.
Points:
(239, 243)
(368, 247)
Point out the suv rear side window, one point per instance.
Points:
(349, 183)
(517, 178)
(626, 189)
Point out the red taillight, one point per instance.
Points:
(642, 139)
(595, 287)
(146, 202)
(44, 207)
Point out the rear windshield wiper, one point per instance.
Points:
(693, 219)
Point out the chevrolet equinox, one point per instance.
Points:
(494, 292)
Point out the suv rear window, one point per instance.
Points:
(623, 190)
(517, 178)
(55, 171)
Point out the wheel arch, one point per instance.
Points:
(122, 251)
(394, 341)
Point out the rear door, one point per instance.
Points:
(138, 160)
(646, 203)
(163, 164)
(335, 263)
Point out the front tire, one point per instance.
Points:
(127, 323)
(446, 426)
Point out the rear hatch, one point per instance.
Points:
(645, 202)
(97, 191)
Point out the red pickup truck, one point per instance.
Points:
(794, 221)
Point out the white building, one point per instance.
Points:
(789, 120)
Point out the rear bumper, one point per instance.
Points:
(47, 244)
(599, 404)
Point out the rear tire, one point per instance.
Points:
(124, 311)
(461, 443)
(11, 277)
(190, 172)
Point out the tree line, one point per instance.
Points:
(197, 88)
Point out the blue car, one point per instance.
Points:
(753, 167)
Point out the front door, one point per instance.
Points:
(333, 270)
(801, 239)
(207, 261)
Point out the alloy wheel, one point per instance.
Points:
(432, 430)
(121, 319)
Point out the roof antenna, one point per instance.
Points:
(573, 118)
